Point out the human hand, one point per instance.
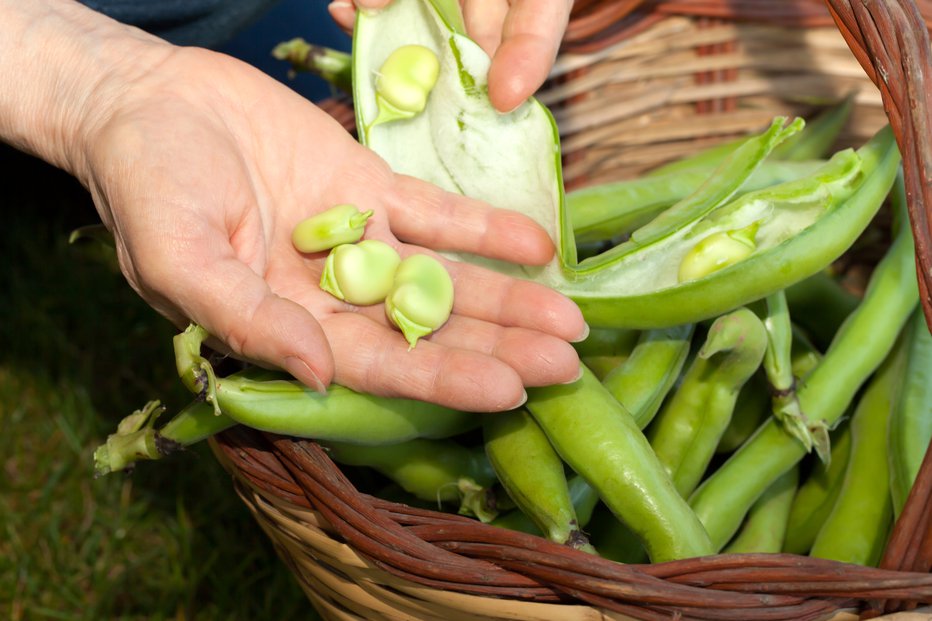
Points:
(202, 166)
(521, 36)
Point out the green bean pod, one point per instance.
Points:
(615, 541)
(691, 423)
(533, 475)
(911, 420)
(434, 470)
(600, 441)
(137, 438)
(764, 529)
(857, 527)
(820, 305)
(817, 494)
(778, 365)
(644, 379)
(802, 226)
(583, 496)
(605, 211)
(288, 407)
(820, 133)
(607, 342)
(751, 408)
(858, 349)
(602, 366)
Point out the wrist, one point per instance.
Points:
(69, 64)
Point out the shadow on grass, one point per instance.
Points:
(78, 351)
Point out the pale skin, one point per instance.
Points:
(201, 165)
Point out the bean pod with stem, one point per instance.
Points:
(856, 529)
(286, 406)
(643, 380)
(857, 350)
(765, 528)
(439, 470)
(817, 494)
(600, 441)
(533, 475)
(911, 419)
(688, 428)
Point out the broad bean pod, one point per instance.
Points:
(751, 407)
(778, 365)
(911, 419)
(688, 428)
(532, 474)
(819, 305)
(584, 499)
(605, 211)
(606, 448)
(857, 527)
(816, 495)
(288, 407)
(137, 438)
(765, 528)
(858, 349)
(435, 470)
(644, 379)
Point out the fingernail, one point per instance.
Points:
(521, 401)
(304, 374)
(583, 335)
(575, 379)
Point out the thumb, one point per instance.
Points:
(237, 306)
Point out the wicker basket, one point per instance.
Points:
(637, 83)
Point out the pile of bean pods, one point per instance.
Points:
(794, 423)
(734, 396)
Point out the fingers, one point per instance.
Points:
(539, 359)
(499, 299)
(423, 214)
(372, 358)
(343, 12)
(505, 302)
(531, 36)
(484, 20)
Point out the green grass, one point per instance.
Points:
(78, 351)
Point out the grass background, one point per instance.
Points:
(78, 351)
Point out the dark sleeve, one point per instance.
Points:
(205, 23)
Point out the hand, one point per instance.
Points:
(521, 36)
(202, 166)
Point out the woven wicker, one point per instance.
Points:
(637, 83)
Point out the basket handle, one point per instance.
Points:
(891, 41)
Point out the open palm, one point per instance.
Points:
(203, 166)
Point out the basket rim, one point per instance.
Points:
(299, 472)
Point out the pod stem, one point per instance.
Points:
(778, 366)
(334, 66)
(137, 439)
(478, 501)
(196, 373)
